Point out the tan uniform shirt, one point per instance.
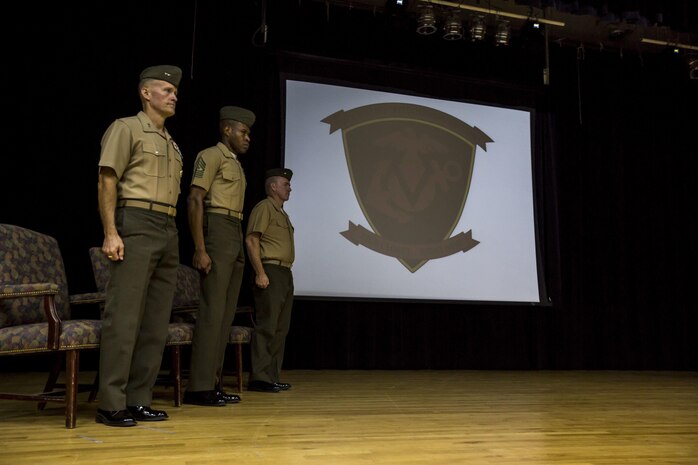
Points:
(147, 162)
(276, 242)
(218, 171)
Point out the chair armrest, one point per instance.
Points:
(88, 298)
(12, 291)
(184, 314)
(48, 293)
(187, 307)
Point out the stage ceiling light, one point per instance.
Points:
(426, 22)
(503, 32)
(453, 30)
(396, 7)
(477, 28)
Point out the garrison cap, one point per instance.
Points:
(284, 172)
(243, 115)
(169, 73)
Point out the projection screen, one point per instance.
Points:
(410, 198)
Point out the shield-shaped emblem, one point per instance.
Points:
(411, 167)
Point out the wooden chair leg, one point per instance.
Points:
(177, 374)
(72, 368)
(239, 372)
(238, 366)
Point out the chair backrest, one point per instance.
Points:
(188, 280)
(188, 291)
(28, 256)
(100, 268)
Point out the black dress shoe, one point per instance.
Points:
(115, 418)
(205, 398)
(262, 386)
(228, 398)
(283, 386)
(145, 413)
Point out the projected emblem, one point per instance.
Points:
(411, 168)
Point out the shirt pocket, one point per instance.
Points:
(230, 174)
(154, 161)
(232, 179)
(280, 227)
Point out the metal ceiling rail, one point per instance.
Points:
(668, 44)
(495, 12)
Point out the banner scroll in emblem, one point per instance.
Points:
(411, 168)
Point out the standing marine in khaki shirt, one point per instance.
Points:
(140, 169)
(215, 203)
(271, 250)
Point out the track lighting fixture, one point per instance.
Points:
(503, 33)
(453, 30)
(477, 28)
(426, 22)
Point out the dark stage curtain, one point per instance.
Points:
(615, 163)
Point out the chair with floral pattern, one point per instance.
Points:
(35, 315)
(185, 305)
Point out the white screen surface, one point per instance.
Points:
(496, 211)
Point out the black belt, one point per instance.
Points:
(277, 262)
(225, 211)
(148, 205)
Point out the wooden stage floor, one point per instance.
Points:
(386, 417)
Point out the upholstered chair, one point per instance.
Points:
(185, 306)
(35, 315)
